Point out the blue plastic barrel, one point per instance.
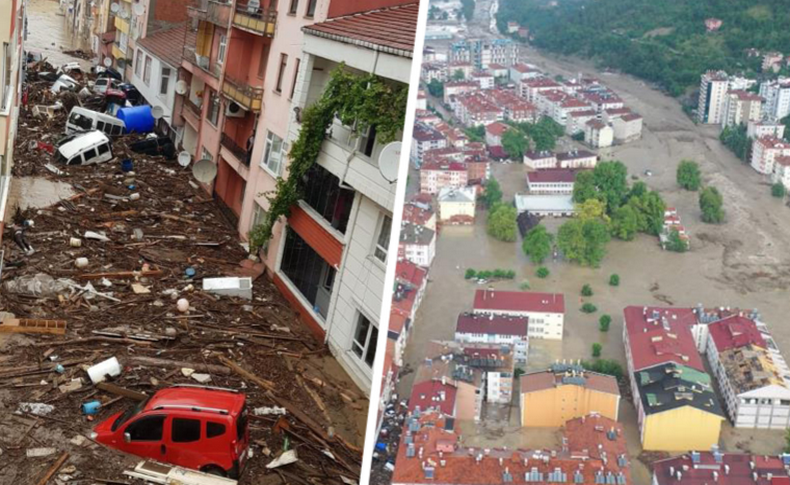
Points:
(138, 119)
(127, 165)
(90, 408)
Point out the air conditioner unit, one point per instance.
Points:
(235, 110)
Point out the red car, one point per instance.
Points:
(203, 428)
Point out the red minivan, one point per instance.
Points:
(198, 427)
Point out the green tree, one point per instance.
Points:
(609, 367)
(470, 273)
(596, 349)
(542, 272)
(515, 143)
(778, 190)
(537, 244)
(614, 280)
(492, 195)
(587, 290)
(611, 180)
(524, 285)
(458, 75)
(625, 223)
(584, 187)
(502, 223)
(736, 139)
(688, 175)
(591, 209)
(476, 133)
(589, 308)
(604, 322)
(468, 7)
(583, 241)
(649, 209)
(711, 204)
(676, 243)
(436, 88)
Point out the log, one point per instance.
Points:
(121, 391)
(110, 340)
(120, 274)
(266, 384)
(54, 469)
(177, 218)
(174, 364)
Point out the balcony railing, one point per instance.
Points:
(202, 62)
(249, 97)
(255, 19)
(241, 153)
(219, 12)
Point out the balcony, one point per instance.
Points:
(249, 97)
(122, 25)
(202, 62)
(255, 19)
(240, 153)
(191, 113)
(219, 12)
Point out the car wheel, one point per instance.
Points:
(214, 470)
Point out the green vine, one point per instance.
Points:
(359, 101)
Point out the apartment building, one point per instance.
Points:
(520, 72)
(577, 121)
(494, 132)
(497, 366)
(765, 152)
(545, 311)
(477, 109)
(425, 138)
(552, 397)
(598, 134)
(540, 160)
(419, 210)
(12, 37)
(759, 129)
(741, 107)
(712, 96)
(417, 244)
(493, 329)
(781, 173)
(627, 127)
(676, 406)
(103, 32)
(776, 94)
(436, 175)
(722, 468)
(483, 52)
(454, 89)
(457, 206)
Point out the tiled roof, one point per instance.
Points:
(167, 45)
(497, 128)
(389, 29)
(415, 234)
(397, 322)
(659, 335)
(433, 395)
(698, 468)
(409, 273)
(417, 214)
(491, 324)
(575, 155)
(538, 381)
(519, 301)
(734, 332)
(404, 299)
(552, 175)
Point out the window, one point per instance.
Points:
(365, 338)
(90, 154)
(214, 429)
(116, 129)
(294, 7)
(281, 72)
(104, 148)
(164, 85)
(213, 108)
(223, 47)
(263, 60)
(147, 429)
(311, 7)
(296, 76)
(258, 217)
(100, 125)
(185, 430)
(147, 71)
(368, 141)
(382, 244)
(138, 64)
(5, 78)
(272, 154)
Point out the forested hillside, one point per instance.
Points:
(663, 41)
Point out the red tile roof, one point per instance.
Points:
(552, 175)
(167, 45)
(491, 324)
(660, 335)
(519, 301)
(739, 469)
(497, 128)
(416, 214)
(538, 381)
(735, 332)
(407, 272)
(397, 322)
(428, 395)
(389, 29)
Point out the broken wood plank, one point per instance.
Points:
(174, 364)
(122, 391)
(78, 341)
(177, 218)
(120, 274)
(29, 325)
(266, 384)
(53, 469)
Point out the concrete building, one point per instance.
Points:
(712, 96)
(776, 94)
(741, 107)
(425, 138)
(552, 181)
(434, 176)
(12, 37)
(751, 373)
(540, 160)
(519, 72)
(417, 244)
(759, 129)
(577, 121)
(483, 52)
(464, 67)
(627, 128)
(419, 210)
(552, 397)
(442, 364)
(496, 363)
(484, 78)
(481, 328)
(781, 173)
(454, 89)
(494, 132)
(576, 159)
(597, 134)
(765, 151)
(699, 467)
(546, 205)
(457, 206)
(676, 406)
(545, 311)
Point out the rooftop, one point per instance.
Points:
(542, 203)
(751, 367)
(734, 332)
(659, 335)
(417, 213)
(575, 155)
(167, 45)
(698, 468)
(452, 194)
(671, 386)
(552, 175)
(489, 324)
(497, 128)
(571, 376)
(408, 273)
(433, 395)
(518, 301)
(416, 234)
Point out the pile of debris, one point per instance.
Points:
(124, 269)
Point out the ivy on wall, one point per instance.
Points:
(358, 101)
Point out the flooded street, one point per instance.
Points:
(49, 33)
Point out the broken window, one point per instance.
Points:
(365, 337)
(323, 193)
(147, 429)
(308, 272)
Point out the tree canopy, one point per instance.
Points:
(537, 244)
(583, 241)
(688, 175)
(711, 204)
(515, 143)
(492, 194)
(502, 222)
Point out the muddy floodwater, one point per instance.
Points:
(743, 263)
(51, 35)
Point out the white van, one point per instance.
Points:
(81, 119)
(104, 83)
(92, 147)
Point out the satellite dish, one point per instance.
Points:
(107, 62)
(138, 9)
(184, 158)
(182, 87)
(204, 171)
(114, 7)
(389, 161)
(157, 112)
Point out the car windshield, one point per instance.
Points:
(131, 411)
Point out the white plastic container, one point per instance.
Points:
(231, 286)
(81, 263)
(100, 371)
(75, 242)
(183, 305)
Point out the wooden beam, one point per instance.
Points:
(53, 469)
(121, 391)
(29, 325)
(175, 364)
(120, 274)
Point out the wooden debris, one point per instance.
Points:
(53, 469)
(174, 364)
(29, 325)
(121, 274)
(121, 391)
(245, 374)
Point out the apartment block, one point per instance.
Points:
(765, 152)
(776, 94)
(425, 138)
(598, 134)
(722, 468)
(741, 107)
(545, 311)
(12, 37)
(417, 244)
(480, 328)
(551, 181)
(457, 206)
(436, 175)
(483, 52)
(759, 129)
(712, 97)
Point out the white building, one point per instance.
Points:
(546, 205)
(540, 160)
(417, 244)
(425, 138)
(552, 181)
(457, 206)
(765, 151)
(741, 107)
(627, 128)
(485, 79)
(545, 311)
(520, 72)
(494, 132)
(776, 94)
(497, 365)
(577, 159)
(436, 175)
(597, 134)
(759, 129)
(481, 328)
(12, 27)
(781, 173)
(712, 96)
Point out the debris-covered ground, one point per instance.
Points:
(140, 250)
